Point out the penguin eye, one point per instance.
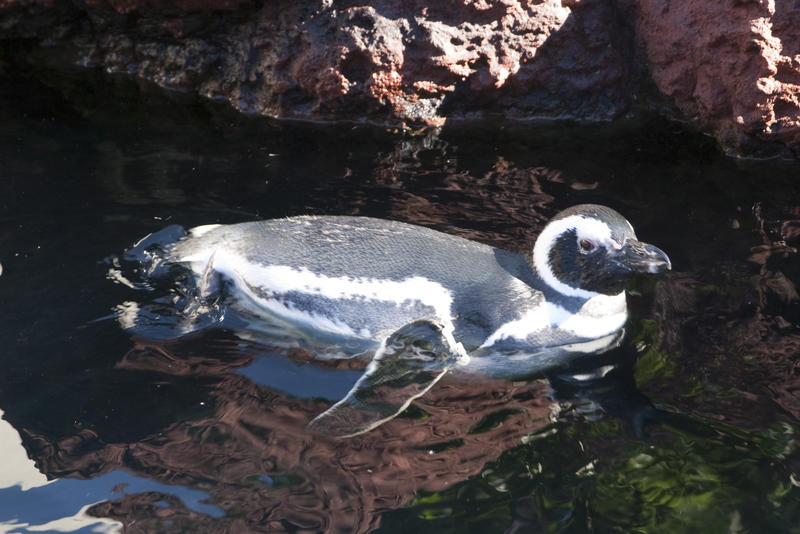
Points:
(586, 245)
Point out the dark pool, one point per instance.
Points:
(692, 425)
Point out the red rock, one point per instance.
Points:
(731, 67)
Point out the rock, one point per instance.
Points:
(411, 64)
(732, 67)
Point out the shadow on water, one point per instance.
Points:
(692, 425)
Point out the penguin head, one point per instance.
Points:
(588, 250)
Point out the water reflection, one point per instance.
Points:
(30, 502)
(250, 449)
(694, 428)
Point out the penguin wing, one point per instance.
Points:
(407, 364)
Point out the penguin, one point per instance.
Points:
(422, 301)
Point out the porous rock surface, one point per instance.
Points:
(732, 67)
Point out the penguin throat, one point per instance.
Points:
(549, 278)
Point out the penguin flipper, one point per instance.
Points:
(407, 364)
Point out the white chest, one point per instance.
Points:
(599, 316)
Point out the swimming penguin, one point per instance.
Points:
(422, 300)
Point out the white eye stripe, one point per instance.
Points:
(607, 243)
(592, 230)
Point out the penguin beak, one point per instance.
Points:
(639, 257)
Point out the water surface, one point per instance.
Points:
(691, 426)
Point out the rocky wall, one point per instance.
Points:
(730, 67)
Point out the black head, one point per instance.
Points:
(589, 249)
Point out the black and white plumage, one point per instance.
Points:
(425, 300)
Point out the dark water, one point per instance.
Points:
(692, 426)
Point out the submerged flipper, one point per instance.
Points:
(407, 364)
(202, 299)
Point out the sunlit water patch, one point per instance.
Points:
(30, 502)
